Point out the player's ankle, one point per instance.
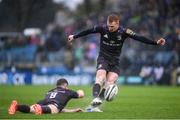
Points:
(96, 90)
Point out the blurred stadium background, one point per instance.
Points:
(34, 51)
(33, 35)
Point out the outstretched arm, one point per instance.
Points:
(95, 29)
(75, 94)
(143, 39)
(86, 32)
(72, 110)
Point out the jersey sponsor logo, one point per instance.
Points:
(112, 41)
(105, 36)
(110, 44)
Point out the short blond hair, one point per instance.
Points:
(113, 18)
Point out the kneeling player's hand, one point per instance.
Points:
(161, 41)
(80, 93)
(78, 110)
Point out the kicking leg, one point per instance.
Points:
(100, 79)
(111, 78)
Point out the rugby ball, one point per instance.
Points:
(110, 92)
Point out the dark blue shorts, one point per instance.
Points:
(110, 65)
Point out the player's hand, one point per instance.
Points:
(80, 93)
(78, 110)
(70, 38)
(161, 41)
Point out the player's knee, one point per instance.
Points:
(53, 108)
(111, 80)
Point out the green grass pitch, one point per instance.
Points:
(137, 102)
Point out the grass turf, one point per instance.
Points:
(137, 102)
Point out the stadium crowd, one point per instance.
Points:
(49, 48)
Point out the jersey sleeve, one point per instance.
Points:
(129, 33)
(95, 29)
(73, 94)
